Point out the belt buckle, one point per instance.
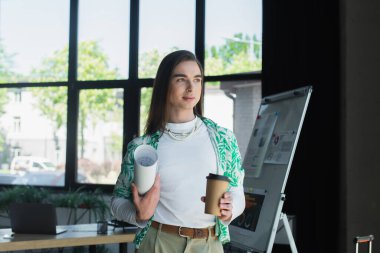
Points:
(181, 235)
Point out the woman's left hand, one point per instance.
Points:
(225, 205)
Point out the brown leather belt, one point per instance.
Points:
(192, 233)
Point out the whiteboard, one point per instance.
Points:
(267, 164)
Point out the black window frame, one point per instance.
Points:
(131, 86)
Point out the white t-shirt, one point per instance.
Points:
(183, 167)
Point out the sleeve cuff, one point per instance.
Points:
(124, 210)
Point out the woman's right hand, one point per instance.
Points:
(146, 204)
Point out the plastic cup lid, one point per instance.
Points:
(217, 177)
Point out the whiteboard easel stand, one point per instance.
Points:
(290, 107)
(292, 244)
(282, 216)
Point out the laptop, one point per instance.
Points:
(34, 218)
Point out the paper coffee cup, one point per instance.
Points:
(216, 186)
(146, 160)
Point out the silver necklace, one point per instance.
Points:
(183, 136)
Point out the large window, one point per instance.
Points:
(76, 78)
(165, 26)
(32, 35)
(103, 36)
(233, 36)
(33, 135)
(100, 135)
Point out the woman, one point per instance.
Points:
(189, 146)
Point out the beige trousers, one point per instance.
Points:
(157, 241)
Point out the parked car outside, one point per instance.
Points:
(7, 178)
(22, 164)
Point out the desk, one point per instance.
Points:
(76, 235)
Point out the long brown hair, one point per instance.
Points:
(158, 116)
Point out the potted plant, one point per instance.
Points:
(21, 194)
(74, 206)
(81, 204)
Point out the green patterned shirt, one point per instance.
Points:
(228, 164)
